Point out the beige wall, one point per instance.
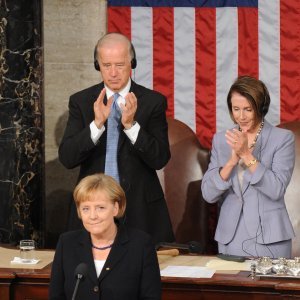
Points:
(71, 30)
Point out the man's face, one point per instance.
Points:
(115, 65)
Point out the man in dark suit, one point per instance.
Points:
(142, 145)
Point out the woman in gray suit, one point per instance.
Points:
(251, 166)
(117, 262)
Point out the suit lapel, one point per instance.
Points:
(235, 184)
(84, 254)
(118, 250)
(122, 137)
(260, 145)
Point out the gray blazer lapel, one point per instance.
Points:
(236, 185)
(260, 145)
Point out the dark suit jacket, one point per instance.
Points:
(131, 270)
(146, 206)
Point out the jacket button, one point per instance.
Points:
(96, 289)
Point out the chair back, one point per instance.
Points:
(181, 181)
(293, 189)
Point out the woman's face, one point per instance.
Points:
(98, 214)
(243, 113)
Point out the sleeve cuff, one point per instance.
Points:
(133, 132)
(220, 183)
(96, 132)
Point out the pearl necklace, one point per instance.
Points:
(257, 134)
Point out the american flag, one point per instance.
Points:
(192, 50)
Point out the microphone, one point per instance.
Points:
(192, 247)
(80, 273)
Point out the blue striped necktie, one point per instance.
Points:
(113, 132)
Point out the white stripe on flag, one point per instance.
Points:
(142, 39)
(184, 66)
(269, 54)
(227, 62)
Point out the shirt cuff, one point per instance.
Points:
(133, 132)
(96, 132)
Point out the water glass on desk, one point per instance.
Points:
(27, 251)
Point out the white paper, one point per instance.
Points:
(187, 271)
(18, 260)
(226, 265)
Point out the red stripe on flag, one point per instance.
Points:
(289, 61)
(248, 41)
(205, 74)
(119, 20)
(163, 54)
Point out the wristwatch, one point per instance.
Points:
(251, 162)
(133, 123)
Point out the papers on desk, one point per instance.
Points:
(224, 265)
(213, 263)
(187, 271)
(7, 255)
(18, 260)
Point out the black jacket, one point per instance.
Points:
(131, 270)
(146, 206)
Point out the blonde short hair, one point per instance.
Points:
(100, 182)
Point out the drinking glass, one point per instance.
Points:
(27, 248)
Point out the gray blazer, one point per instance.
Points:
(261, 197)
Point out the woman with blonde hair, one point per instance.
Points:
(121, 262)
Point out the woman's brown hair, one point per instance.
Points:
(256, 93)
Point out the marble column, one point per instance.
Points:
(21, 121)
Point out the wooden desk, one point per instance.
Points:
(17, 282)
(23, 284)
(33, 284)
(6, 278)
(230, 287)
